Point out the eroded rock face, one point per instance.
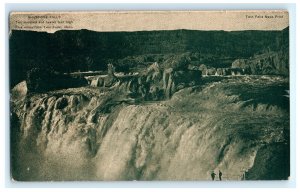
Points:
(265, 64)
(169, 84)
(240, 63)
(154, 84)
(107, 81)
(234, 70)
(220, 71)
(19, 91)
(97, 82)
(211, 71)
(176, 80)
(272, 163)
(110, 80)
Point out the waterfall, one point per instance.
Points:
(80, 134)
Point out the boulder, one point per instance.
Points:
(203, 69)
(97, 82)
(211, 71)
(220, 71)
(240, 63)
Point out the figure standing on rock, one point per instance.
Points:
(213, 175)
(220, 175)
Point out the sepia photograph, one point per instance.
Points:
(149, 95)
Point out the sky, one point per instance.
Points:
(150, 20)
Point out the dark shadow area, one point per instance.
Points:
(272, 162)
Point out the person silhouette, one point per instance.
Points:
(220, 175)
(213, 175)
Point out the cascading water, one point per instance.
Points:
(87, 134)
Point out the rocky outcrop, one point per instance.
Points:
(222, 71)
(211, 71)
(159, 83)
(240, 63)
(169, 83)
(270, 63)
(153, 84)
(176, 80)
(19, 91)
(107, 81)
(272, 163)
(110, 80)
(97, 81)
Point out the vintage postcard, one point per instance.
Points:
(149, 95)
